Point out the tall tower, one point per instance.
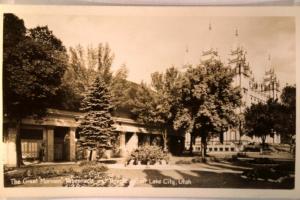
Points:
(186, 59)
(242, 79)
(271, 86)
(210, 53)
(240, 67)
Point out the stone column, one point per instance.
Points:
(11, 150)
(132, 143)
(148, 139)
(48, 137)
(122, 144)
(72, 144)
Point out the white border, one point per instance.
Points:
(156, 192)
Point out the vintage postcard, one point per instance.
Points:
(149, 101)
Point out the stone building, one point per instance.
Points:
(252, 90)
(56, 135)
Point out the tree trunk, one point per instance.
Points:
(165, 140)
(203, 146)
(191, 145)
(263, 141)
(91, 155)
(18, 144)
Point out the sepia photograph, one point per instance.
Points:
(148, 100)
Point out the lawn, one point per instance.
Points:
(221, 174)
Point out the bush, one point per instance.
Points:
(242, 155)
(95, 179)
(92, 166)
(264, 173)
(148, 155)
(184, 162)
(199, 160)
(87, 163)
(262, 161)
(93, 174)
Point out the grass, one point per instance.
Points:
(222, 174)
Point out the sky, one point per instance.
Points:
(146, 44)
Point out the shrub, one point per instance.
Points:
(148, 154)
(92, 166)
(93, 174)
(199, 160)
(264, 173)
(242, 155)
(87, 163)
(184, 162)
(262, 161)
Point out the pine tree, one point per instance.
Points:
(96, 128)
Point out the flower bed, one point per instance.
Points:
(86, 174)
(148, 155)
(93, 175)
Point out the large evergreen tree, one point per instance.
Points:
(96, 130)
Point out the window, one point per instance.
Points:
(221, 149)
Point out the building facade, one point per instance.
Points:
(55, 136)
(252, 90)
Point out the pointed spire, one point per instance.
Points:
(187, 49)
(209, 26)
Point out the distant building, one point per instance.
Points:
(252, 92)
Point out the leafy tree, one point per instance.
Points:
(263, 119)
(96, 127)
(77, 78)
(84, 65)
(157, 107)
(288, 117)
(33, 66)
(208, 102)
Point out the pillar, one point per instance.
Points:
(11, 150)
(72, 144)
(122, 144)
(148, 139)
(132, 143)
(48, 138)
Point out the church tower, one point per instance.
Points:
(271, 86)
(210, 53)
(243, 75)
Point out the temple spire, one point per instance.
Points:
(210, 54)
(236, 32)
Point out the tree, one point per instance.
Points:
(96, 127)
(287, 127)
(208, 102)
(85, 64)
(33, 65)
(156, 107)
(263, 119)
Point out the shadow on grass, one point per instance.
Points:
(226, 166)
(202, 179)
